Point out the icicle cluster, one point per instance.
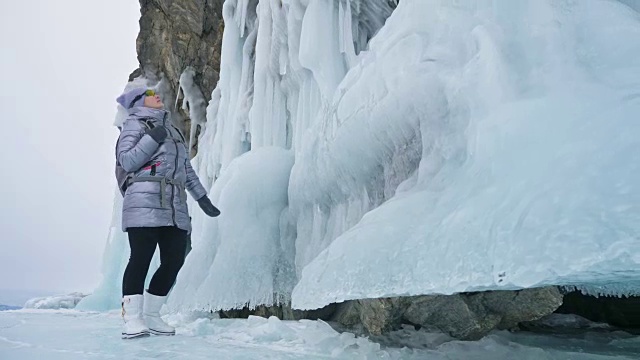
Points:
(282, 63)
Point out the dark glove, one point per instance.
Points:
(207, 207)
(158, 134)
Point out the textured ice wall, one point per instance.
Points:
(281, 64)
(528, 175)
(493, 139)
(241, 254)
(467, 121)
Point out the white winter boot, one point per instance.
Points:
(132, 314)
(151, 313)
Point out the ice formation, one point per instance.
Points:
(68, 301)
(241, 254)
(360, 150)
(527, 174)
(281, 66)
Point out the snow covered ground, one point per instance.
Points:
(70, 334)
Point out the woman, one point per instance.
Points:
(154, 212)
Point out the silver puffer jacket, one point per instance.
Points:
(159, 173)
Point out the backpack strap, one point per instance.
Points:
(124, 178)
(179, 133)
(148, 123)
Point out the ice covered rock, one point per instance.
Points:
(464, 316)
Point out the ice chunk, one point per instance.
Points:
(67, 301)
(240, 257)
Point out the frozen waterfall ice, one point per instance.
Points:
(360, 150)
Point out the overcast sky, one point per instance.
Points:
(62, 64)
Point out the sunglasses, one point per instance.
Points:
(146, 93)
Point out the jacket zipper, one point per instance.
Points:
(175, 169)
(173, 189)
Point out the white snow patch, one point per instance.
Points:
(40, 334)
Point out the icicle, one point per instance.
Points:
(193, 102)
(175, 104)
(243, 16)
(341, 25)
(347, 41)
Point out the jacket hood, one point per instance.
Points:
(146, 112)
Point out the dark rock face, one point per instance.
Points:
(372, 316)
(454, 315)
(175, 35)
(620, 312)
(467, 316)
(517, 306)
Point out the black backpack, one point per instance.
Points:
(121, 175)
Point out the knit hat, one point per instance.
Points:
(132, 98)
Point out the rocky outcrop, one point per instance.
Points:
(372, 316)
(174, 36)
(467, 316)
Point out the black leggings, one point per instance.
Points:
(142, 241)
